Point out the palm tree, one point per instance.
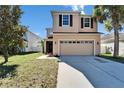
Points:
(112, 16)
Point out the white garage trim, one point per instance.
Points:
(94, 44)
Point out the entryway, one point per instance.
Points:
(49, 46)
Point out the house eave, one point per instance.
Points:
(77, 33)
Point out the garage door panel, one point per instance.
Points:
(76, 48)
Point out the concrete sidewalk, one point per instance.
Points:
(47, 57)
(69, 77)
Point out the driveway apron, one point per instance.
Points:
(69, 77)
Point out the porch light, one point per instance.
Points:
(97, 43)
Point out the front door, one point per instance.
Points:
(49, 46)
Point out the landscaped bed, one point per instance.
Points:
(110, 57)
(27, 71)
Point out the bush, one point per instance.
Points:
(108, 52)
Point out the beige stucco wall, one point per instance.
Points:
(76, 23)
(57, 37)
(87, 29)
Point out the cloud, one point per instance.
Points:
(74, 8)
(78, 8)
(37, 33)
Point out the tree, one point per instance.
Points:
(113, 18)
(11, 31)
(42, 45)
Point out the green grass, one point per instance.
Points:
(26, 71)
(110, 57)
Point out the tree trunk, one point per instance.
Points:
(5, 55)
(116, 43)
(6, 58)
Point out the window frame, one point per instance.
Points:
(87, 22)
(68, 20)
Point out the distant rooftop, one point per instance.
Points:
(110, 37)
(34, 34)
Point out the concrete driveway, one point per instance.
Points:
(101, 73)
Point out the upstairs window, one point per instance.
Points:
(87, 22)
(65, 20)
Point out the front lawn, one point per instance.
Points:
(110, 57)
(27, 71)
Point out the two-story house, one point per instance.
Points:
(32, 42)
(72, 34)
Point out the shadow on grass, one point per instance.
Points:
(118, 59)
(7, 70)
(25, 53)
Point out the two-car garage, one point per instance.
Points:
(76, 47)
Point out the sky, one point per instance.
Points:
(38, 17)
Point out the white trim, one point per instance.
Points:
(59, 46)
(94, 44)
(94, 47)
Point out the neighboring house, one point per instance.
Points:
(72, 34)
(107, 43)
(32, 42)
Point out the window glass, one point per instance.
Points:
(70, 41)
(64, 41)
(86, 41)
(61, 42)
(78, 42)
(82, 42)
(87, 22)
(90, 42)
(65, 20)
(87, 25)
(74, 41)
